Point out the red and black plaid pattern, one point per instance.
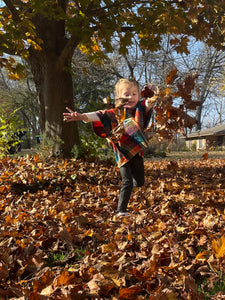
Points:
(133, 140)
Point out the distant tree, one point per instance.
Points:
(91, 82)
(209, 63)
(218, 102)
(219, 108)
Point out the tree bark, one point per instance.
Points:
(57, 94)
(50, 67)
(55, 89)
(198, 115)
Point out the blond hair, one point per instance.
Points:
(122, 83)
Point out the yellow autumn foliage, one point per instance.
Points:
(218, 247)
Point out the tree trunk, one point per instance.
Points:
(198, 115)
(50, 67)
(54, 85)
(57, 95)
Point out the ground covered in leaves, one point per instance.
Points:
(60, 237)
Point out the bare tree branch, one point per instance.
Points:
(68, 50)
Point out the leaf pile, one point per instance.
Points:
(171, 247)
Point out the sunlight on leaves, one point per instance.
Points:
(218, 247)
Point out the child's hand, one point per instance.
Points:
(151, 102)
(73, 116)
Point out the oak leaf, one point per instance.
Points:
(218, 247)
(171, 76)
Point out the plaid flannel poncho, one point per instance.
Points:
(132, 140)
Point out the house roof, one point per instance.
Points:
(217, 130)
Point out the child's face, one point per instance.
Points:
(131, 92)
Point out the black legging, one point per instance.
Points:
(132, 175)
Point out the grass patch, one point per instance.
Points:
(206, 290)
(55, 259)
(80, 253)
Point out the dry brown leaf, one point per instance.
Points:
(129, 293)
(4, 271)
(99, 285)
(218, 247)
(43, 279)
(205, 156)
(64, 278)
(168, 236)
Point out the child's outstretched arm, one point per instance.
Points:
(74, 116)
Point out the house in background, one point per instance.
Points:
(206, 139)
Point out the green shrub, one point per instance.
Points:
(90, 147)
(46, 147)
(10, 129)
(193, 146)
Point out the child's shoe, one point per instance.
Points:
(123, 214)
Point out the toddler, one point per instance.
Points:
(131, 120)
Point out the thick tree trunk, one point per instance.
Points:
(50, 67)
(57, 95)
(54, 85)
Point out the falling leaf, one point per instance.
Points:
(205, 156)
(171, 76)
